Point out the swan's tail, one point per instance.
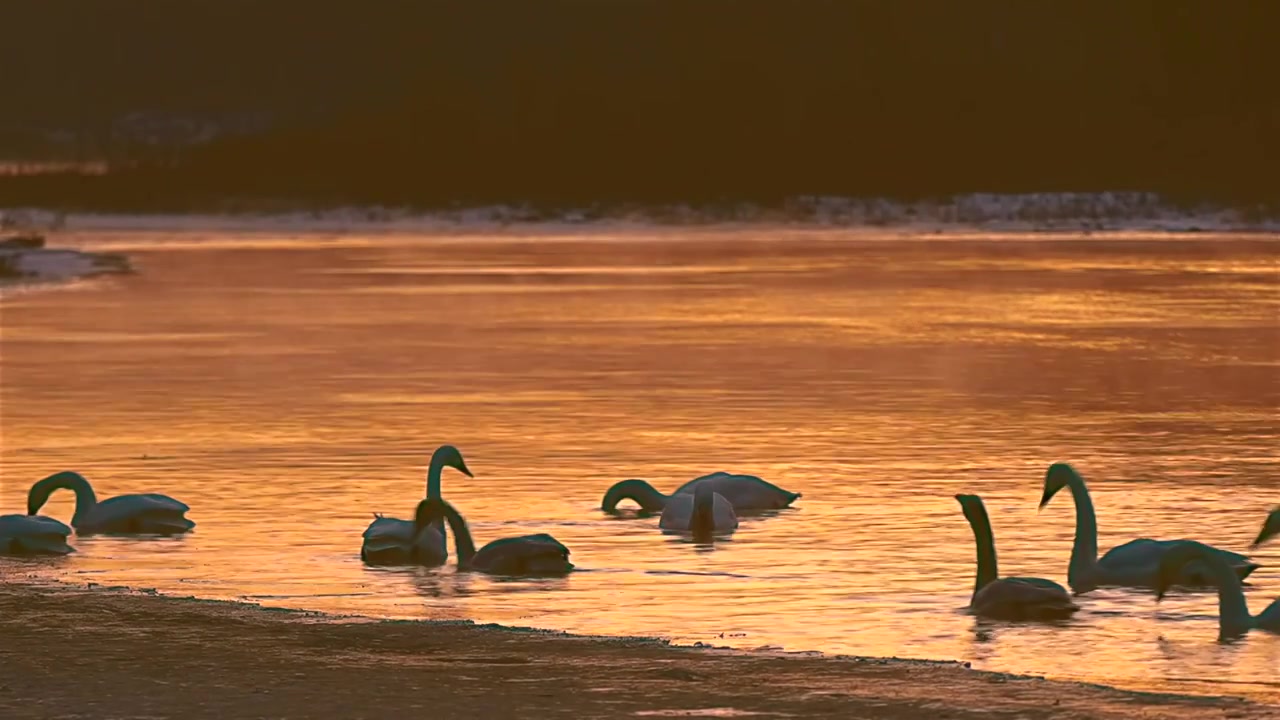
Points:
(1269, 620)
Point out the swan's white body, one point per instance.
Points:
(392, 541)
(1270, 528)
(538, 554)
(682, 510)
(1234, 618)
(744, 492)
(33, 535)
(1011, 598)
(141, 514)
(1133, 564)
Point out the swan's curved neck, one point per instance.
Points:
(1233, 611)
(86, 498)
(465, 546)
(988, 567)
(638, 491)
(433, 477)
(1084, 551)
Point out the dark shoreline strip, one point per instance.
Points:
(69, 651)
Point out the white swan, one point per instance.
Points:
(1133, 564)
(391, 541)
(1234, 619)
(705, 512)
(1010, 598)
(146, 513)
(538, 554)
(745, 492)
(33, 535)
(1270, 528)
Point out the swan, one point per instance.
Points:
(1234, 619)
(146, 513)
(744, 492)
(705, 512)
(538, 554)
(1133, 564)
(1010, 598)
(33, 535)
(390, 541)
(1270, 528)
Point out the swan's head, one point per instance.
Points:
(42, 489)
(1060, 475)
(639, 491)
(973, 508)
(1270, 528)
(450, 456)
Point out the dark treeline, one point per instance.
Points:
(576, 101)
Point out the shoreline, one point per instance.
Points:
(127, 652)
(1061, 212)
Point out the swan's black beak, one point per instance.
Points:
(462, 468)
(1045, 498)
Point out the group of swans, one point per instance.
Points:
(1141, 563)
(703, 507)
(422, 541)
(35, 534)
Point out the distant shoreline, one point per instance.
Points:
(139, 653)
(1031, 212)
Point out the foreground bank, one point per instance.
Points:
(76, 652)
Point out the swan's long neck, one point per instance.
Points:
(86, 498)
(1233, 610)
(465, 546)
(639, 491)
(433, 477)
(988, 567)
(1084, 551)
(433, 485)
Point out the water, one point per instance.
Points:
(289, 386)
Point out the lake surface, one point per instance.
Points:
(289, 386)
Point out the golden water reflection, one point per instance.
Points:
(289, 387)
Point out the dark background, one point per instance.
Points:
(580, 101)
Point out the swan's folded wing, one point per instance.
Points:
(538, 543)
(14, 525)
(34, 534)
(1142, 552)
(52, 544)
(1030, 596)
(516, 554)
(1042, 583)
(165, 500)
(124, 507)
(385, 527)
(745, 492)
(689, 486)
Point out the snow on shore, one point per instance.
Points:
(24, 258)
(1036, 212)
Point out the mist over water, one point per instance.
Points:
(289, 385)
